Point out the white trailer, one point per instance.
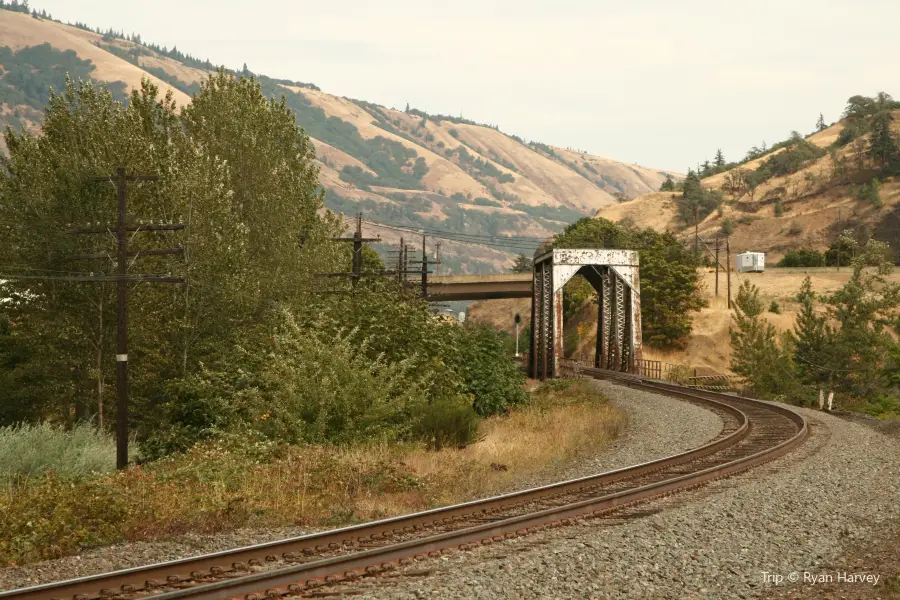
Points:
(751, 262)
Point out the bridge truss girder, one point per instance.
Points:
(614, 274)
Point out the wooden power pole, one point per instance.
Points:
(728, 267)
(120, 180)
(717, 267)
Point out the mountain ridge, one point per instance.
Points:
(404, 167)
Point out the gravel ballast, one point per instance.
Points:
(657, 427)
(744, 537)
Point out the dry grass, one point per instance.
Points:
(237, 482)
(559, 425)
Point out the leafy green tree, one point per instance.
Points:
(802, 258)
(871, 192)
(522, 264)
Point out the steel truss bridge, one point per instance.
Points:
(614, 274)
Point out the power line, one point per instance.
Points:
(491, 241)
(415, 229)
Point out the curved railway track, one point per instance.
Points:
(754, 432)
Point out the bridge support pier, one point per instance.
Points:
(615, 276)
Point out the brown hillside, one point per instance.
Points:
(564, 185)
(494, 169)
(816, 204)
(657, 210)
(633, 179)
(18, 31)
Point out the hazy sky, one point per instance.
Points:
(661, 83)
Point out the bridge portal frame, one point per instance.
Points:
(615, 275)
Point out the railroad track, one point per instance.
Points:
(754, 432)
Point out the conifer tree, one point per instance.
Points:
(759, 354)
(810, 335)
(882, 146)
(668, 185)
(720, 158)
(820, 124)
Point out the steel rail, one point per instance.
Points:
(197, 568)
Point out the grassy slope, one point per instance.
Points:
(815, 209)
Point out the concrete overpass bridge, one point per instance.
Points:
(479, 287)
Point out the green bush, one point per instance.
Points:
(445, 423)
(727, 226)
(774, 308)
(33, 450)
(55, 518)
(802, 258)
(494, 381)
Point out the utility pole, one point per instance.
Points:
(839, 242)
(717, 267)
(400, 267)
(424, 270)
(728, 265)
(121, 278)
(357, 240)
(437, 258)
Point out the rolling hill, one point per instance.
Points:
(404, 168)
(804, 208)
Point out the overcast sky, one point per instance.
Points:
(661, 83)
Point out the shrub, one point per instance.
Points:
(774, 308)
(802, 258)
(324, 388)
(795, 229)
(871, 193)
(779, 209)
(32, 450)
(56, 517)
(445, 423)
(727, 226)
(494, 381)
